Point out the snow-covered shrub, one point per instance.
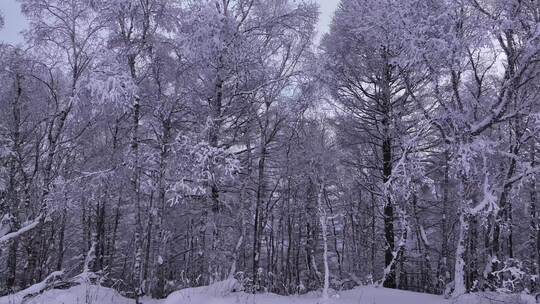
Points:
(508, 276)
(245, 281)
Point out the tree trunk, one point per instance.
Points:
(534, 234)
(459, 271)
(390, 278)
(61, 232)
(260, 197)
(323, 220)
(12, 264)
(135, 181)
(444, 269)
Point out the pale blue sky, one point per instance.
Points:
(15, 22)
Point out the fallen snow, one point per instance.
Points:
(81, 294)
(227, 292)
(492, 297)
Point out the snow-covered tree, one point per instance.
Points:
(154, 145)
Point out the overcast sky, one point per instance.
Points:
(15, 22)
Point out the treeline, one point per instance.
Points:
(153, 145)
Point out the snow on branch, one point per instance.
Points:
(41, 286)
(15, 234)
(488, 203)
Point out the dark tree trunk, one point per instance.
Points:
(61, 236)
(12, 264)
(390, 281)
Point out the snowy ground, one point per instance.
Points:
(220, 293)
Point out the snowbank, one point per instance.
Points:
(205, 294)
(80, 294)
(229, 292)
(492, 297)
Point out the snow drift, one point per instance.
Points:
(230, 292)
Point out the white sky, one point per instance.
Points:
(15, 22)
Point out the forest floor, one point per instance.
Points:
(221, 293)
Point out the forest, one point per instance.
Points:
(155, 145)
